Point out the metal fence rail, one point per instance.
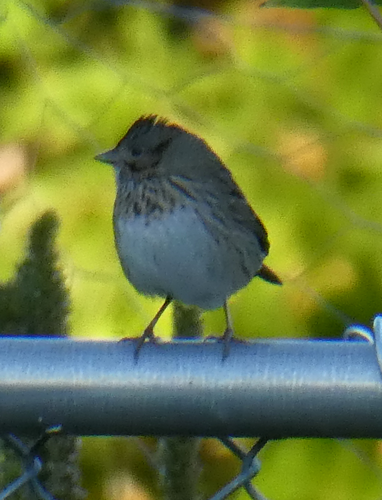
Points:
(273, 388)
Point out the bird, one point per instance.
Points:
(183, 228)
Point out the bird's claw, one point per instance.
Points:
(147, 335)
(225, 339)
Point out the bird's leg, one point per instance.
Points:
(148, 332)
(228, 332)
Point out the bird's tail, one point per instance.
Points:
(268, 275)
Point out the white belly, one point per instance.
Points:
(176, 256)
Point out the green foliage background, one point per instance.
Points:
(291, 101)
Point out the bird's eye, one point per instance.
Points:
(162, 146)
(136, 152)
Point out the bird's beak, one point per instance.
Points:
(107, 157)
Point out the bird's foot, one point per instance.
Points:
(148, 335)
(225, 339)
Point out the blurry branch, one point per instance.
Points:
(373, 11)
(36, 303)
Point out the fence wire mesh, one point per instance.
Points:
(290, 99)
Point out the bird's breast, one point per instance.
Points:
(178, 255)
